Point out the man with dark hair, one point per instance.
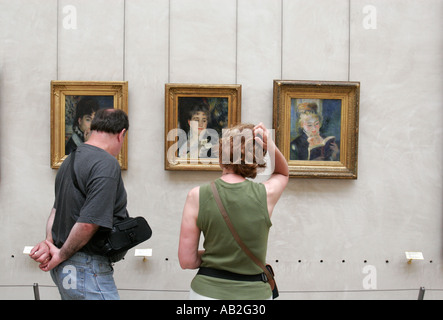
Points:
(110, 121)
(83, 214)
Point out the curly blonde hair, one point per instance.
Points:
(239, 152)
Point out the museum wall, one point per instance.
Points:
(331, 239)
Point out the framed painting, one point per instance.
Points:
(195, 115)
(73, 106)
(316, 127)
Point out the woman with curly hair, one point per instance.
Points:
(225, 271)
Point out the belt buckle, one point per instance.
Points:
(264, 278)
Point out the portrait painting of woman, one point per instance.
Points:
(195, 117)
(203, 119)
(315, 129)
(79, 112)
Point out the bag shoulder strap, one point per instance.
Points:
(73, 175)
(235, 234)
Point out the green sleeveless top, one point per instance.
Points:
(246, 205)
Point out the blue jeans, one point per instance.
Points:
(85, 277)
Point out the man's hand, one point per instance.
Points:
(40, 253)
(55, 260)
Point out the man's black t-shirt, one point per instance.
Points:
(99, 177)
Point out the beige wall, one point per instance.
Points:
(393, 207)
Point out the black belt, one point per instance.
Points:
(223, 274)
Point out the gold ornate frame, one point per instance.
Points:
(349, 94)
(60, 89)
(172, 94)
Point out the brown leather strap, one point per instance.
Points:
(235, 234)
